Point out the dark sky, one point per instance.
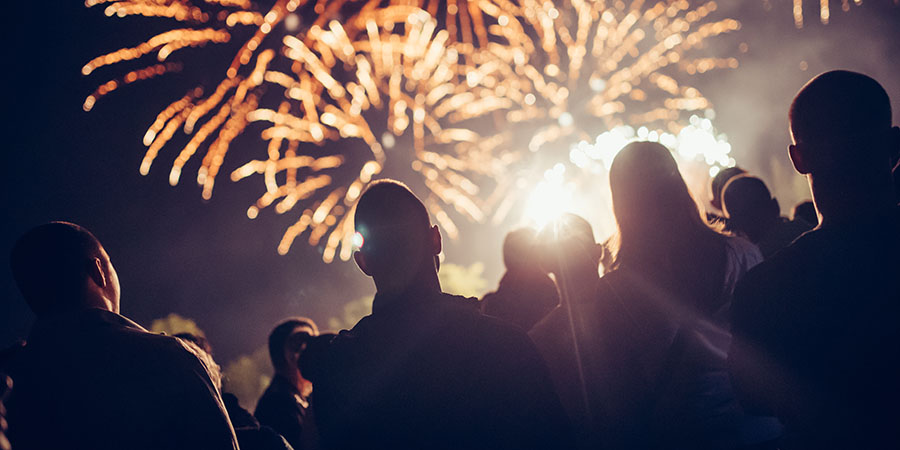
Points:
(207, 261)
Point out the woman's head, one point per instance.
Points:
(651, 202)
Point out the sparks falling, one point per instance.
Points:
(480, 88)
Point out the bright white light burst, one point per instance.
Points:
(698, 148)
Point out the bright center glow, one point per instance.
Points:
(697, 141)
(551, 198)
(698, 148)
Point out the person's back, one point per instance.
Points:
(426, 369)
(95, 380)
(654, 330)
(439, 376)
(663, 379)
(820, 320)
(817, 326)
(526, 294)
(89, 378)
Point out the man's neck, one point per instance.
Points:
(840, 204)
(424, 288)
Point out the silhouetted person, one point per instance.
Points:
(526, 294)
(568, 250)
(817, 326)
(716, 186)
(426, 369)
(654, 333)
(250, 434)
(806, 211)
(753, 213)
(89, 378)
(284, 405)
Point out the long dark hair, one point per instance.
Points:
(661, 233)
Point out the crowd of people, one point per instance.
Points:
(734, 329)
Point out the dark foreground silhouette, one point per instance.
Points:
(285, 404)
(679, 345)
(426, 369)
(88, 377)
(526, 294)
(817, 325)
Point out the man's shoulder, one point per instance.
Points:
(790, 260)
(783, 284)
(150, 342)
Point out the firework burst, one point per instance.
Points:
(476, 89)
(558, 74)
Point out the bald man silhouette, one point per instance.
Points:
(426, 369)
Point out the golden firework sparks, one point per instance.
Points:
(564, 72)
(467, 89)
(824, 9)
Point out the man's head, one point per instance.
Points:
(717, 184)
(749, 206)
(399, 244)
(520, 250)
(841, 127)
(286, 343)
(60, 266)
(568, 248)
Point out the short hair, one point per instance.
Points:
(839, 108)
(279, 336)
(50, 263)
(562, 236)
(745, 197)
(717, 184)
(389, 214)
(567, 227)
(519, 248)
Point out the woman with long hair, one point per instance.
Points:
(647, 342)
(662, 319)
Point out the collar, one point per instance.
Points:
(82, 318)
(409, 301)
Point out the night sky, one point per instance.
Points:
(207, 261)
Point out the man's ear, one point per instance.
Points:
(436, 245)
(360, 259)
(797, 154)
(95, 271)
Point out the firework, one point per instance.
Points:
(476, 91)
(824, 9)
(563, 73)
